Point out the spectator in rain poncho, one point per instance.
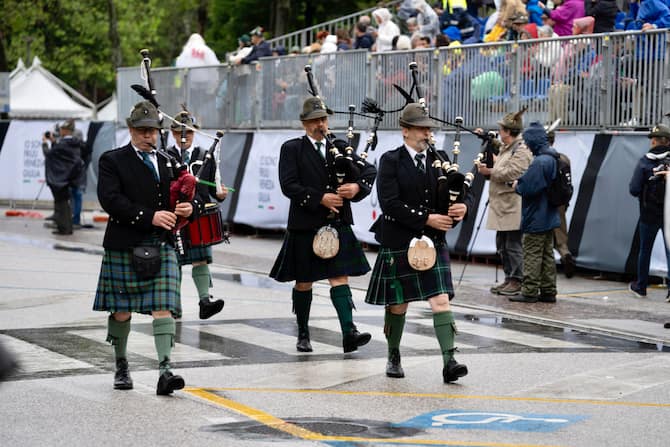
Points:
(196, 53)
(564, 14)
(329, 44)
(386, 30)
(426, 19)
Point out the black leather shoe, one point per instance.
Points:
(524, 299)
(303, 344)
(168, 383)
(547, 298)
(209, 308)
(453, 371)
(353, 339)
(62, 233)
(393, 367)
(122, 380)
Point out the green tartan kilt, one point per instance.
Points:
(195, 254)
(297, 262)
(394, 281)
(119, 290)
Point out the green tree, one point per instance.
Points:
(84, 43)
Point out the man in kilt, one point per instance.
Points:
(198, 257)
(407, 189)
(134, 189)
(307, 178)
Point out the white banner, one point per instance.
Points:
(22, 160)
(261, 202)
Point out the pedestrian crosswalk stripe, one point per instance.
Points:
(268, 339)
(142, 344)
(509, 335)
(409, 340)
(34, 359)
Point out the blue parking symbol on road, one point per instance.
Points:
(485, 420)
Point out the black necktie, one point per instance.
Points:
(147, 161)
(318, 148)
(419, 163)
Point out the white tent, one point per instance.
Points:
(36, 93)
(107, 109)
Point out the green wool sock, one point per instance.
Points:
(445, 329)
(341, 298)
(201, 278)
(164, 332)
(302, 303)
(117, 335)
(393, 327)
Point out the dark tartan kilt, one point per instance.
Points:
(119, 290)
(394, 281)
(297, 262)
(195, 254)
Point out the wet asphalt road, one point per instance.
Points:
(590, 370)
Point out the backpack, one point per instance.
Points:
(559, 191)
(653, 192)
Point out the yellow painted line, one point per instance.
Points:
(255, 414)
(299, 432)
(443, 396)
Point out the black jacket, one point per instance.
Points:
(63, 164)
(604, 12)
(128, 192)
(305, 177)
(406, 198)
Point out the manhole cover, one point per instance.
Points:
(326, 427)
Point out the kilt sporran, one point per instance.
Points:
(421, 254)
(326, 243)
(146, 260)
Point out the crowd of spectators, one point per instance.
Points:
(432, 24)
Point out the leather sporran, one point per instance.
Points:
(421, 254)
(146, 260)
(326, 243)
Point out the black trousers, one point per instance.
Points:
(62, 209)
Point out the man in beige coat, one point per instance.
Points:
(505, 204)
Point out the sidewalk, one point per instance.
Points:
(585, 304)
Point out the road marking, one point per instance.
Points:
(265, 338)
(409, 340)
(444, 396)
(509, 335)
(611, 382)
(144, 345)
(33, 358)
(308, 435)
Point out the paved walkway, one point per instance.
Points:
(586, 302)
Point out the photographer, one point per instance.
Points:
(504, 204)
(649, 188)
(62, 167)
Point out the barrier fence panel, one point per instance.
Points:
(392, 68)
(340, 79)
(474, 82)
(602, 81)
(284, 88)
(203, 90)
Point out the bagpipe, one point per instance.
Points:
(451, 184)
(183, 183)
(346, 164)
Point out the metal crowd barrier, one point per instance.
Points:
(306, 36)
(606, 81)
